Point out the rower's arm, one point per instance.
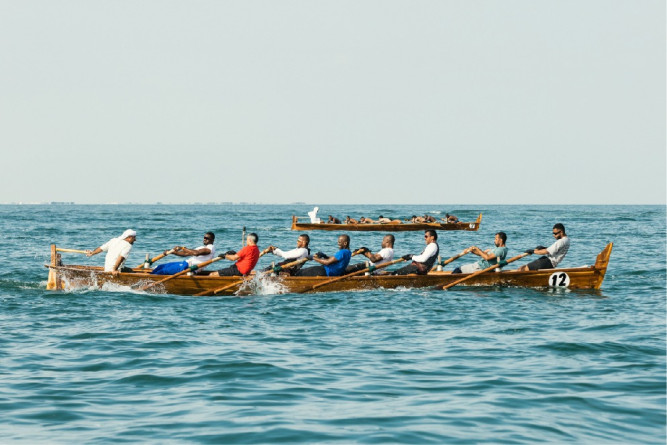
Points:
(374, 257)
(94, 252)
(192, 252)
(119, 261)
(326, 261)
(486, 254)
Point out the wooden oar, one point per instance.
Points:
(183, 272)
(223, 288)
(455, 257)
(488, 269)
(359, 272)
(207, 293)
(60, 249)
(158, 258)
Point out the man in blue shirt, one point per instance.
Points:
(489, 257)
(330, 266)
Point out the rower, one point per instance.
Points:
(246, 259)
(422, 263)
(385, 255)
(553, 254)
(117, 250)
(197, 256)
(301, 251)
(330, 266)
(489, 256)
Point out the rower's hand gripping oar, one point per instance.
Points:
(183, 272)
(488, 269)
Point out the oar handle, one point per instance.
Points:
(60, 249)
(490, 268)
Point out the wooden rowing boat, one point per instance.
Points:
(386, 227)
(67, 277)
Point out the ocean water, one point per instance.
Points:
(470, 365)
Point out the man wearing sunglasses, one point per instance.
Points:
(422, 263)
(553, 254)
(202, 253)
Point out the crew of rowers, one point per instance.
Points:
(338, 264)
(451, 219)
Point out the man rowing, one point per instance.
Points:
(246, 259)
(385, 255)
(553, 254)
(330, 266)
(302, 251)
(489, 257)
(117, 250)
(422, 263)
(333, 220)
(203, 253)
(450, 219)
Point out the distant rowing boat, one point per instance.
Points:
(386, 227)
(63, 277)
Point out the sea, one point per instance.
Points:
(470, 365)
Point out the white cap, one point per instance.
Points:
(128, 232)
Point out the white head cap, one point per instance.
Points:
(128, 232)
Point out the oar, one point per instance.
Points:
(183, 272)
(455, 257)
(59, 249)
(223, 288)
(490, 268)
(158, 258)
(370, 268)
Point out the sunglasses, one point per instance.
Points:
(558, 232)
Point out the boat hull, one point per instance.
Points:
(71, 277)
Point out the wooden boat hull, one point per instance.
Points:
(388, 227)
(72, 277)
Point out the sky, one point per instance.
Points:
(338, 102)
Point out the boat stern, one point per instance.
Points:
(54, 282)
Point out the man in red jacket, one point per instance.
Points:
(246, 259)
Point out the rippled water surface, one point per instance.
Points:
(470, 365)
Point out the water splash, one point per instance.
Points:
(262, 284)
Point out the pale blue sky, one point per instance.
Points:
(454, 102)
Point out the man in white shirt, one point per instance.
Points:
(117, 250)
(302, 251)
(385, 255)
(422, 263)
(553, 254)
